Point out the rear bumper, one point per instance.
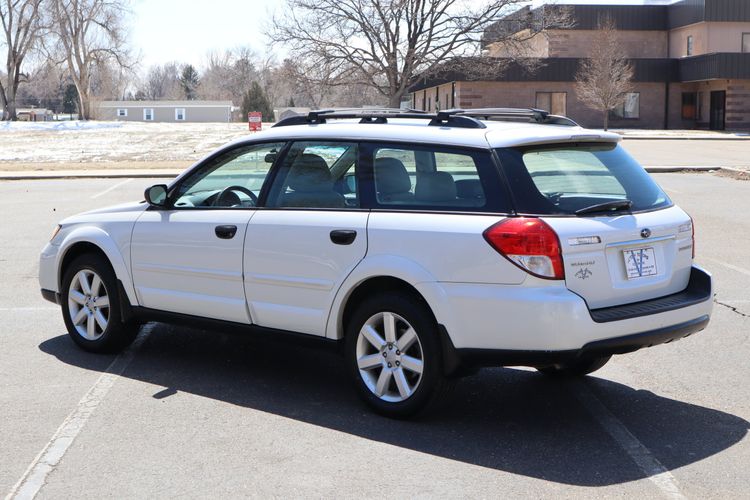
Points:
(548, 318)
(606, 347)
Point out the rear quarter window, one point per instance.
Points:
(563, 178)
(423, 177)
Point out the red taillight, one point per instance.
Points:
(530, 244)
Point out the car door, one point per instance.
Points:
(309, 236)
(187, 258)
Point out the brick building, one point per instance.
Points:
(691, 61)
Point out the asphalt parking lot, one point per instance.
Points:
(198, 414)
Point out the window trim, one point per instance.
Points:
(613, 116)
(493, 182)
(742, 43)
(145, 113)
(551, 92)
(281, 161)
(177, 114)
(122, 112)
(209, 162)
(695, 106)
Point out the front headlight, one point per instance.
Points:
(55, 231)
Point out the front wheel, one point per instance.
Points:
(577, 368)
(91, 306)
(393, 355)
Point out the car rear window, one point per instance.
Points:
(561, 179)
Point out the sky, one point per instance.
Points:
(177, 30)
(174, 30)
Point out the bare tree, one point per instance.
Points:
(161, 82)
(604, 80)
(386, 44)
(20, 21)
(88, 33)
(228, 74)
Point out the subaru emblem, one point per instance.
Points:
(645, 232)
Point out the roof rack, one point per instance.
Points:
(460, 118)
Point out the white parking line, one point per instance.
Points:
(649, 465)
(111, 188)
(24, 309)
(729, 266)
(36, 473)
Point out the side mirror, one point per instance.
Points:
(156, 196)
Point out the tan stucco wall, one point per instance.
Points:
(536, 46)
(737, 103)
(708, 38)
(426, 99)
(636, 44)
(577, 43)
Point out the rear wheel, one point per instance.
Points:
(393, 355)
(91, 306)
(577, 368)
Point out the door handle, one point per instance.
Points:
(226, 232)
(343, 236)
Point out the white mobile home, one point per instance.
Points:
(165, 111)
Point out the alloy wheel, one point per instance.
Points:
(389, 357)
(88, 304)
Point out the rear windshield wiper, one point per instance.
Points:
(609, 206)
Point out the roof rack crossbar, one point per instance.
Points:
(460, 118)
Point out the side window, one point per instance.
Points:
(317, 174)
(424, 176)
(233, 180)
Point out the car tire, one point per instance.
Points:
(90, 302)
(385, 361)
(577, 368)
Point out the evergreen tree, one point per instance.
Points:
(189, 82)
(290, 104)
(70, 99)
(255, 99)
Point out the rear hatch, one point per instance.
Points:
(621, 238)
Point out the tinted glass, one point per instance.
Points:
(426, 177)
(238, 174)
(317, 175)
(562, 179)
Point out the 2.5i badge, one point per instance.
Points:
(640, 262)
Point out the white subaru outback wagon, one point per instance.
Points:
(425, 245)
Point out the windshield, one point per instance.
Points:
(563, 179)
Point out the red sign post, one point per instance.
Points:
(254, 121)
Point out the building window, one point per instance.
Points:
(746, 42)
(690, 45)
(429, 104)
(148, 114)
(689, 105)
(554, 102)
(179, 114)
(121, 113)
(630, 109)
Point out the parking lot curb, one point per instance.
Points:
(88, 174)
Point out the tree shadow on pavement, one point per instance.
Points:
(505, 419)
